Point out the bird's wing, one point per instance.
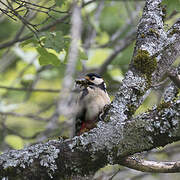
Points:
(81, 112)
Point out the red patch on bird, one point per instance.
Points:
(83, 126)
(86, 126)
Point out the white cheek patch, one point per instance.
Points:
(105, 85)
(98, 81)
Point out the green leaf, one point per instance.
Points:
(29, 41)
(82, 54)
(56, 41)
(59, 2)
(46, 57)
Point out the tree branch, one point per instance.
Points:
(50, 25)
(65, 100)
(31, 116)
(121, 45)
(151, 166)
(12, 42)
(30, 89)
(108, 143)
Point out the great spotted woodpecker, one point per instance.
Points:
(93, 98)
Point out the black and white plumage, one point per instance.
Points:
(93, 98)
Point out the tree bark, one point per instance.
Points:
(109, 143)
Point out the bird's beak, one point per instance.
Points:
(87, 78)
(82, 82)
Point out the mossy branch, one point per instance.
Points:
(109, 143)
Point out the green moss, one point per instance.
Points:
(131, 110)
(163, 105)
(153, 31)
(142, 35)
(174, 31)
(144, 63)
(164, 11)
(138, 92)
(107, 118)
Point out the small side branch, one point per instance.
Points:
(31, 89)
(151, 166)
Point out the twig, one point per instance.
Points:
(92, 31)
(12, 42)
(129, 12)
(124, 43)
(50, 25)
(125, 28)
(43, 7)
(72, 59)
(30, 89)
(31, 116)
(151, 166)
(111, 178)
(66, 102)
(6, 13)
(30, 26)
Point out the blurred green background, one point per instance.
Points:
(39, 62)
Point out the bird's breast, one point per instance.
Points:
(95, 102)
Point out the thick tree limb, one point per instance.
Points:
(106, 144)
(136, 83)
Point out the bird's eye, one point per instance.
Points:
(92, 78)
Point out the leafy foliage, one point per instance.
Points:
(60, 2)
(56, 41)
(46, 57)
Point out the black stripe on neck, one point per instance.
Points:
(102, 86)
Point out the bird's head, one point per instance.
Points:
(94, 79)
